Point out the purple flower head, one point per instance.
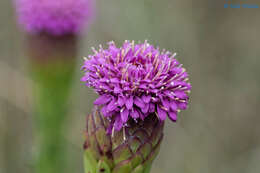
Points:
(55, 17)
(136, 81)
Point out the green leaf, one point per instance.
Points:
(123, 167)
(134, 144)
(90, 163)
(136, 160)
(102, 139)
(121, 153)
(148, 167)
(138, 169)
(145, 149)
(103, 167)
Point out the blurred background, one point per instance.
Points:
(218, 46)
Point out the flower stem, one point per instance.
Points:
(52, 65)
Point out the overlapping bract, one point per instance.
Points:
(55, 17)
(135, 81)
(131, 150)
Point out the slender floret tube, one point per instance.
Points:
(139, 86)
(52, 30)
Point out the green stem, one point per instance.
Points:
(52, 68)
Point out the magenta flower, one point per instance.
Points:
(55, 17)
(136, 81)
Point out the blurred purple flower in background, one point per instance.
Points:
(136, 81)
(55, 17)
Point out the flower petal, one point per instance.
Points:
(129, 102)
(183, 105)
(166, 103)
(103, 99)
(121, 101)
(181, 94)
(173, 106)
(118, 123)
(151, 107)
(117, 90)
(84, 78)
(161, 113)
(139, 102)
(146, 98)
(142, 116)
(146, 108)
(112, 105)
(173, 116)
(114, 80)
(109, 129)
(135, 114)
(104, 110)
(124, 115)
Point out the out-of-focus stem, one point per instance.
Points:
(52, 63)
